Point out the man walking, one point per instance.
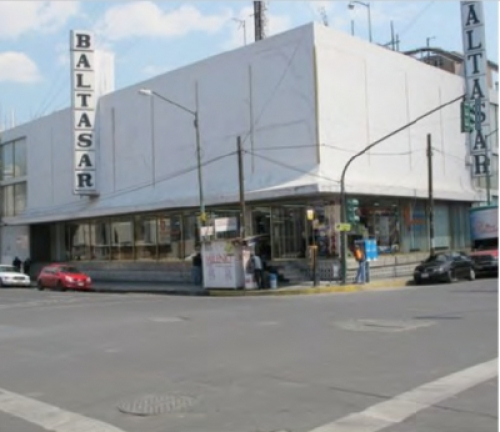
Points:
(360, 258)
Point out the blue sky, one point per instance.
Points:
(150, 37)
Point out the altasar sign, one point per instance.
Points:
(476, 64)
(84, 112)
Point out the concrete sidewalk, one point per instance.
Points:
(192, 290)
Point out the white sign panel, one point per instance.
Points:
(222, 265)
(84, 104)
(226, 224)
(476, 68)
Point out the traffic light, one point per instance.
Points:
(352, 211)
(467, 117)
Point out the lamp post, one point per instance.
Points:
(352, 4)
(314, 248)
(152, 93)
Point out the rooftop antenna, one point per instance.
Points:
(242, 24)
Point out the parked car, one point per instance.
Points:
(10, 276)
(485, 262)
(445, 267)
(63, 277)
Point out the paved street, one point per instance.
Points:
(201, 364)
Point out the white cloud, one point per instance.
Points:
(19, 17)
(154, 70)
(275, 24)
(18, 67)
(147, 19)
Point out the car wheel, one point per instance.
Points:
(40, 286)
(60, 286)
(472, 274)
(450, 277)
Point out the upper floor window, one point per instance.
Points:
(13, 162)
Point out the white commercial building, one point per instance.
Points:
(303, 102)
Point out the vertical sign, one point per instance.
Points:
(476, 82)
(84, 107)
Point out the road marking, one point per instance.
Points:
(49, 417)
(398, 409)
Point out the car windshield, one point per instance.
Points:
(441, 258)
(69, 269)
(8, 269)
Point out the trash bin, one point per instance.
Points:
(273, 280)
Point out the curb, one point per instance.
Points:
(186, 293)
(373, 286)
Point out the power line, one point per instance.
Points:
(417, 17)
(290, 167)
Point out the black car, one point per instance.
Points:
(485, 262)
(445, 267)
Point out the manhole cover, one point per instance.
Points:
(382, 325)
(156, 404)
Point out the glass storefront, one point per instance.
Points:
(283, 231)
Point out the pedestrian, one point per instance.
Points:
(17, 264)
(257, 271)
(27, 266)
(197, 272)
(360, 258)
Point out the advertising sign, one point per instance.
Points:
(84, 105)
(476, 82)
(484, 223)
(222, 265)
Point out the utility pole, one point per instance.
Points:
(203, 217)
(259, 13)
(431, 194)
(241, 180)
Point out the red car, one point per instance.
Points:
(63, 277)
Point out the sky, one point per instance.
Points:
(150, 37)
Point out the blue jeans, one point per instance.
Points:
(361, 274)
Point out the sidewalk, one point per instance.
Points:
(192, 290)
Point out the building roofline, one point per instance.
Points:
(451, 55)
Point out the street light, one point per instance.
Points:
(152, 93)
(352, 4)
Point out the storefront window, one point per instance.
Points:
(169, 237)
(442, 226)
(191, 235)
(78, 241)
(380, 220)
(101, 239)
(122, 240)
(289, 232)
(145, 237)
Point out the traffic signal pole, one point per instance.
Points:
(343, 203)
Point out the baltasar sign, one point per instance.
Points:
(476, 80)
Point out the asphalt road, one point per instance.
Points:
(81, 362)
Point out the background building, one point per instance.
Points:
(303, 102)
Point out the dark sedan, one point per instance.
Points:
(445, 267)
(485, 262)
